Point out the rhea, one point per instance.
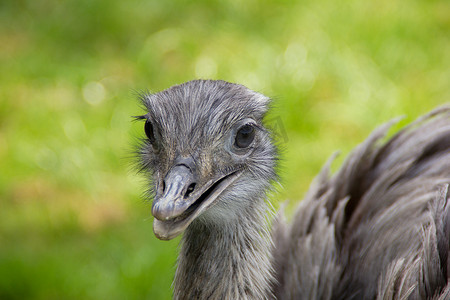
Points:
(379, 228)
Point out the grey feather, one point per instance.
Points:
(377, 229)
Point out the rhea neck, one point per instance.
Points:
(229, 259)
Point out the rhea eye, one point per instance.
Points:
(149, 132)
(244, 136)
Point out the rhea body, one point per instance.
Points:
(379, 228)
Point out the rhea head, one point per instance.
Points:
(209, 157)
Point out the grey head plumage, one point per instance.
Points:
(209, 135)
(377, 229)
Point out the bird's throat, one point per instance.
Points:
(225, 262)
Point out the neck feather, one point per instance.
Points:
(230, 260)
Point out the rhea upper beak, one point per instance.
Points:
(178, 183)
(182, 200)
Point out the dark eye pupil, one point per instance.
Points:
(149, 131)
(245, 136)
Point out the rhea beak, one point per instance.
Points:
(182, 200)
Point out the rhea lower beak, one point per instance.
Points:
(181, 200)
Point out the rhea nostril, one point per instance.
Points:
(189, 190)
(164, 186)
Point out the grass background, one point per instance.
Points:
(73, 224)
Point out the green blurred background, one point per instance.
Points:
(73, 224)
